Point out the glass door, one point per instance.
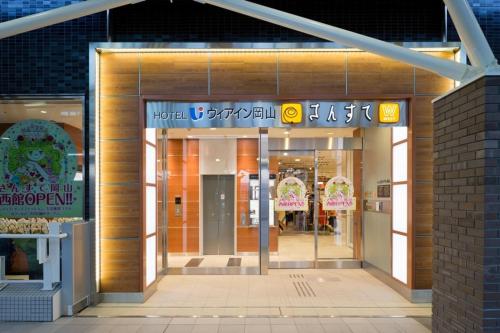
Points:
(292, 241)
(315, 187)
(337, 203)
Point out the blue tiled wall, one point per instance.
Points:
(488, 15)
(54, 60)
(391, 20)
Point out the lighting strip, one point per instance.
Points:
(263, 50)
(97, 174)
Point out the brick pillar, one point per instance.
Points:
(466, 238)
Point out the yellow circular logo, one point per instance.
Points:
(291, 113)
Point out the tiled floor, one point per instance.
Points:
(291, 247)
(221, 325)
(301, 247)
(285, 301)
(341, 292)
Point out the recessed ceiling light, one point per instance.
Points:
(245, 136)
(190, 136)
(213, 128)
(285, 154)
(329, 133)
(43, 111)
(286, 132)
(217, 160)
(297, 160)
(34, 105)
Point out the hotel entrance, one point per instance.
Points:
(226, 161)
(213, 203)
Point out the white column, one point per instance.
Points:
(443, 67)
(471, 35)
(51, 264)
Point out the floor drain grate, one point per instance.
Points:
(304, 289)
(296, 276)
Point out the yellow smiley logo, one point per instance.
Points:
(291, 113)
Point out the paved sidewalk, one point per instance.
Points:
(285, 292)
(222, 325)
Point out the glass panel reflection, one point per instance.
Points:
(40, 160)
(335, 224)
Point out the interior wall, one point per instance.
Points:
(376, 225)
(184, 182)
(247, 164)
(217, 156)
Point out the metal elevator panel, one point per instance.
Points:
(210, 215)
(218, 214)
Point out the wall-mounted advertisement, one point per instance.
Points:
(38, 163)
(339, 194)
(291, 195)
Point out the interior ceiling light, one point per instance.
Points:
(35, 105)
(213, 128)
(43, 111)
(297, 160)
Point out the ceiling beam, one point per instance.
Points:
(477, 47)
(444, 67)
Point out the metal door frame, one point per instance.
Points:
(263, 266)
(339, 144)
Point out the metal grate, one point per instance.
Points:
(296, 276)
(302, 287)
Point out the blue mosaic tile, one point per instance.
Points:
(26, 302)
(54, 60)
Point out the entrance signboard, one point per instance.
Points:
(302, 114)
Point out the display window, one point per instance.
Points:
(41, 176)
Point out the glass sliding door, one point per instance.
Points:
(292, 193)
(315, 186)
(336, 204)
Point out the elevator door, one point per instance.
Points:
(218, 214)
